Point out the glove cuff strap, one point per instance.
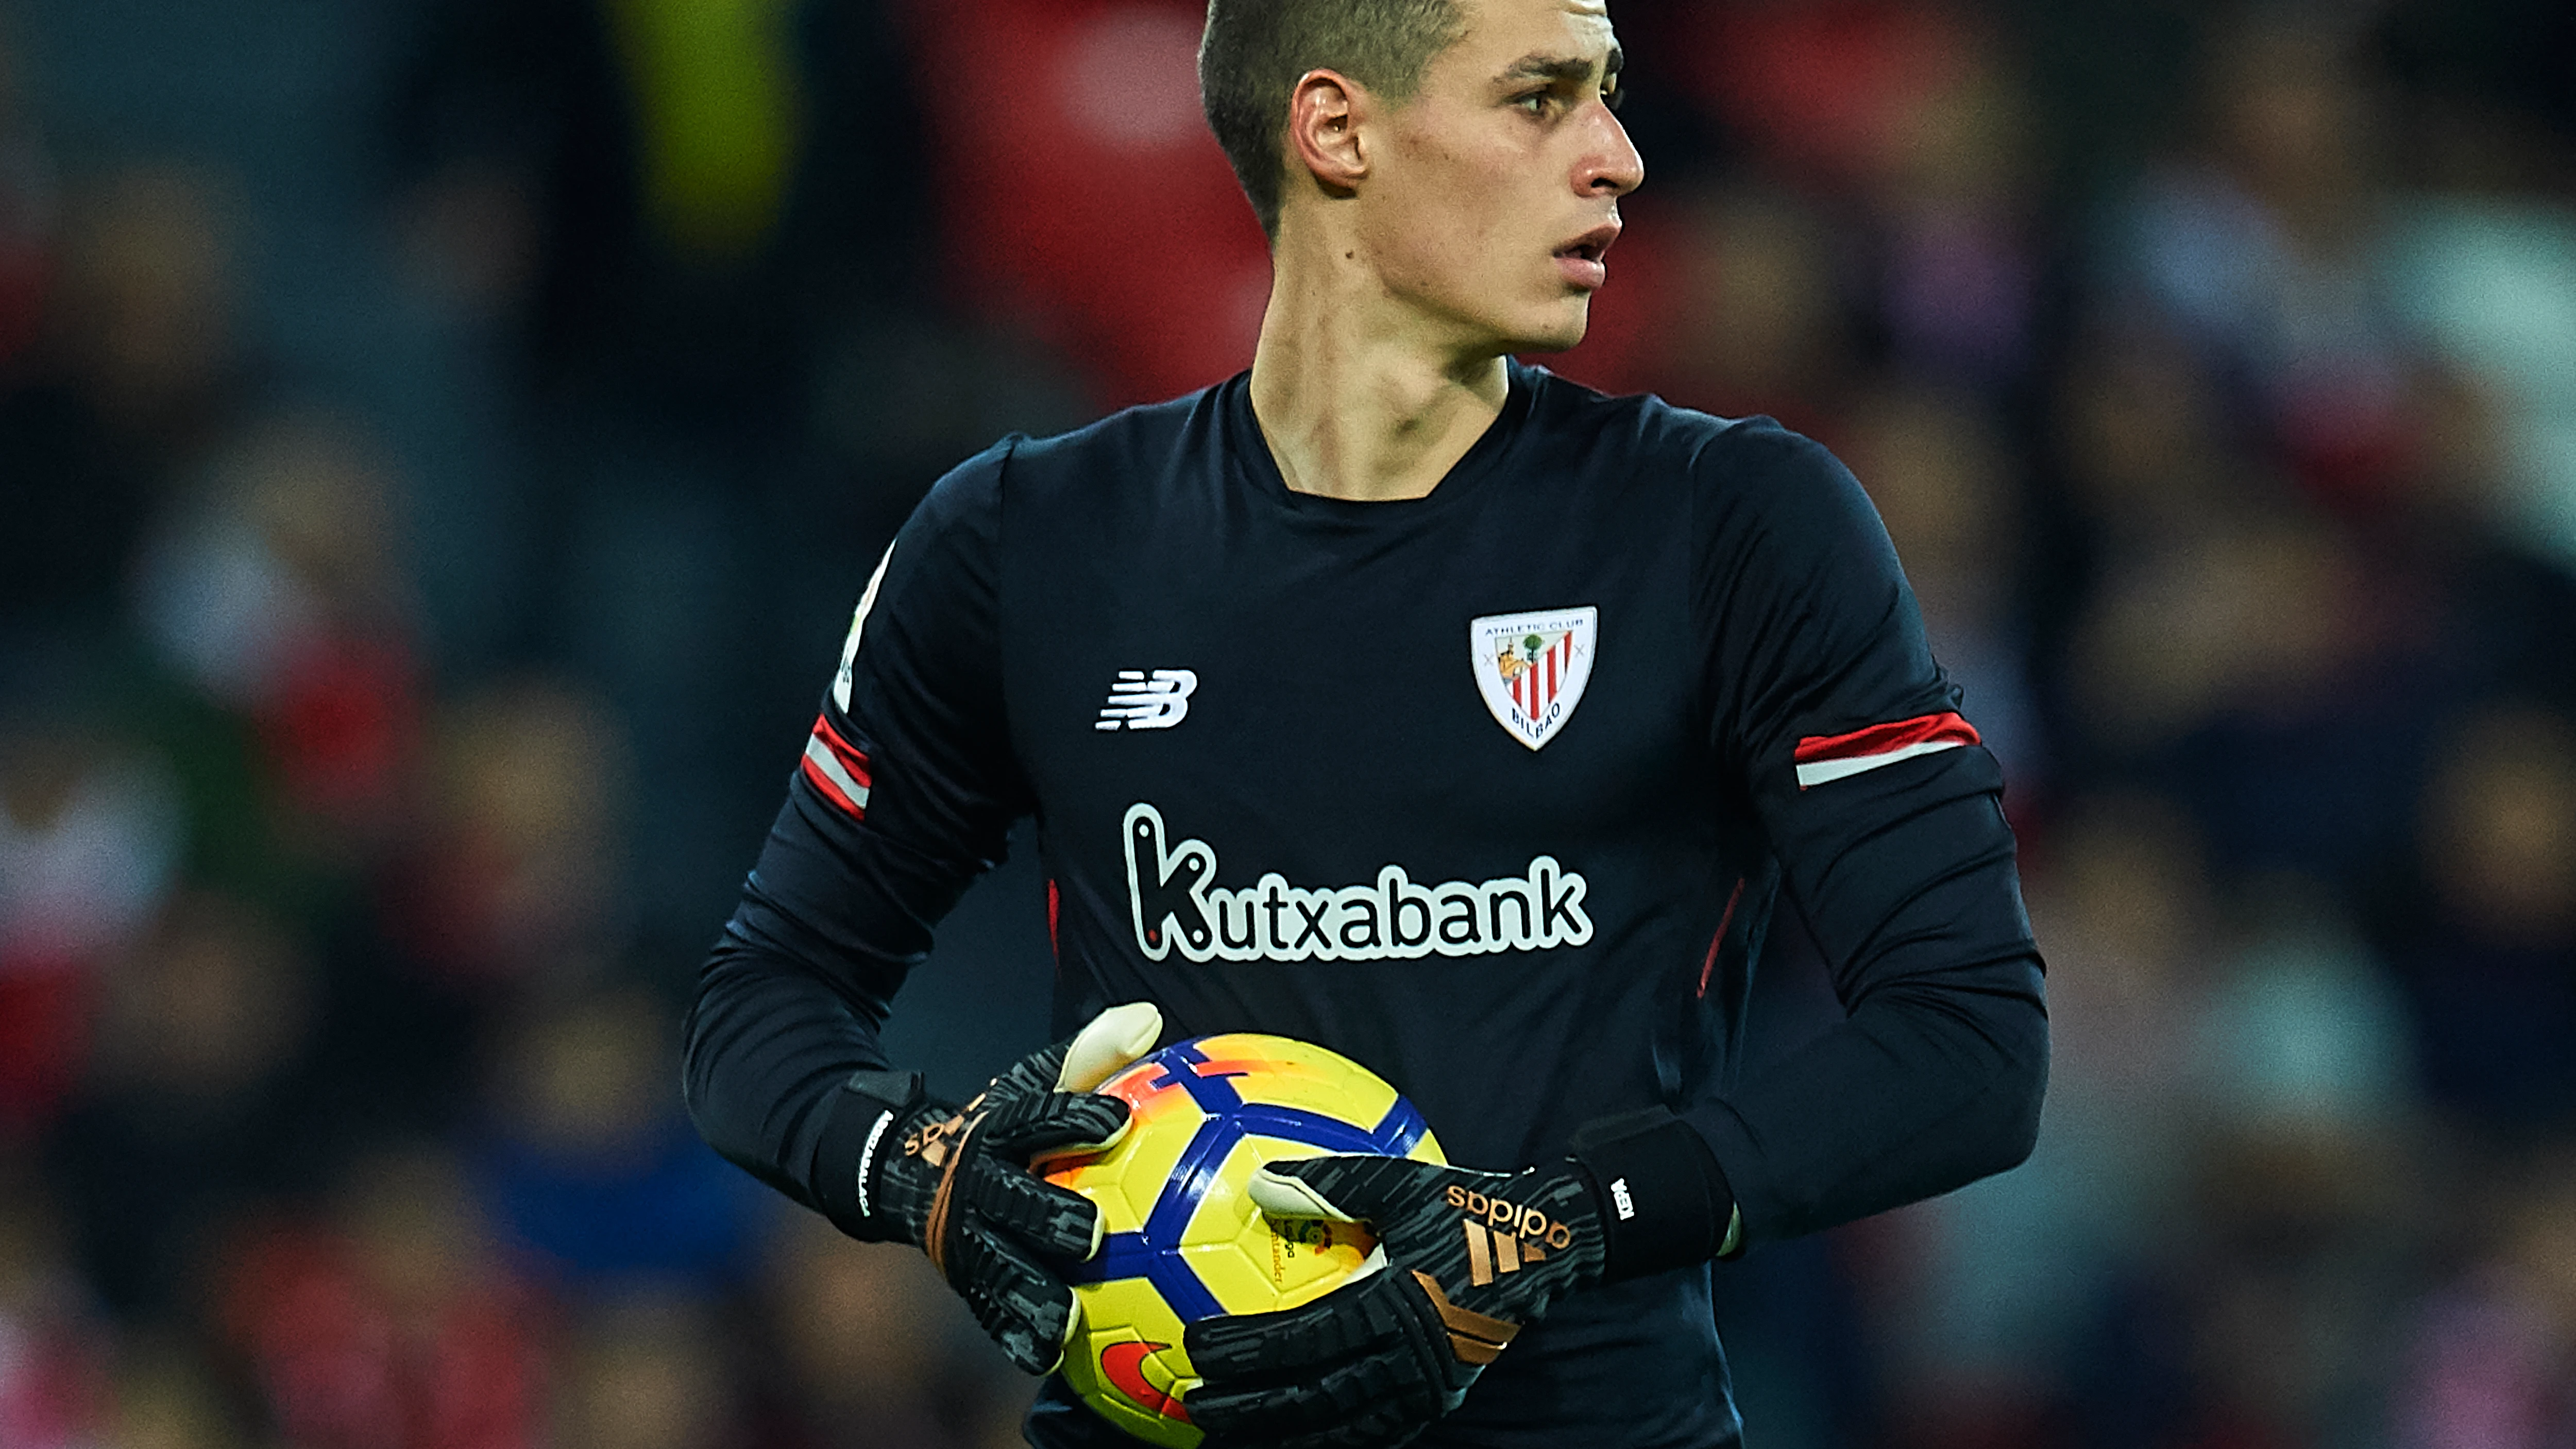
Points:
(864, 1131)
(1664, 1202)
(934, 1231)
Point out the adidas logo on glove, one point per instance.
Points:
(1503, 1235)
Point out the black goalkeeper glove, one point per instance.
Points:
(956, 1182)
(1464, 1260)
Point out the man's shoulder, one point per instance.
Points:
(1642, 430)
(1083, 468)
(1114, 445)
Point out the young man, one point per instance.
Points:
(1401, 698)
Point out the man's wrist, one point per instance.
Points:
(1664, 1201)
(870, 1113)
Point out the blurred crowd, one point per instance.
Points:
(440, 441)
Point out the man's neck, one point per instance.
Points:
(1359, 397)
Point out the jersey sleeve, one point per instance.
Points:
(1884, 813)
(903, 795)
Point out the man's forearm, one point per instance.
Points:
(768, 1045)
(1907, 880)
(1927, 1086)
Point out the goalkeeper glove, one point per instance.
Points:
(1468, 1258)
(956, 1182)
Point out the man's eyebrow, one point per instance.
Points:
(1560, 69)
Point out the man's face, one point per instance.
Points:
(1494, 191)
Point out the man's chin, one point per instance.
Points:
(1559, 332)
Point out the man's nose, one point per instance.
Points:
(1612, 165)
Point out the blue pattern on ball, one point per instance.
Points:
(1153, 1253)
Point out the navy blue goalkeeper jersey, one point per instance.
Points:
(1492, 791)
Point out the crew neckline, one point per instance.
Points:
(1254, 465)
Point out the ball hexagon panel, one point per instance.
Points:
(1252, 1263)
(1127, 1180)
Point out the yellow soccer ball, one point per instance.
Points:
(1182, 1241)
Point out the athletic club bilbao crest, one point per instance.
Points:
(1531, 668)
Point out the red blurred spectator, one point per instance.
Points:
(1828, 89)
(89, 837)
(281, 594)
(1083, 192)
(393, 1327)
(1907, 109)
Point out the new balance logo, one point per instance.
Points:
(1501, 1236)
(1619, 1195)
(1137, 702)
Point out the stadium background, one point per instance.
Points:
(441, 440)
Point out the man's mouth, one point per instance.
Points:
(1580, 260)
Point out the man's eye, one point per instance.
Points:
(1612, 96)
(1536, 102)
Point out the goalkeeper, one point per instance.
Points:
(1406, 699)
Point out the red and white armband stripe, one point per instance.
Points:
(1823, 758)
(837, 768)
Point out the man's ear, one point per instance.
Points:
(1323, 129)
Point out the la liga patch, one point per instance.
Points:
(858, 626)
(1531, 668)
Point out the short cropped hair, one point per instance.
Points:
(1255, 51)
